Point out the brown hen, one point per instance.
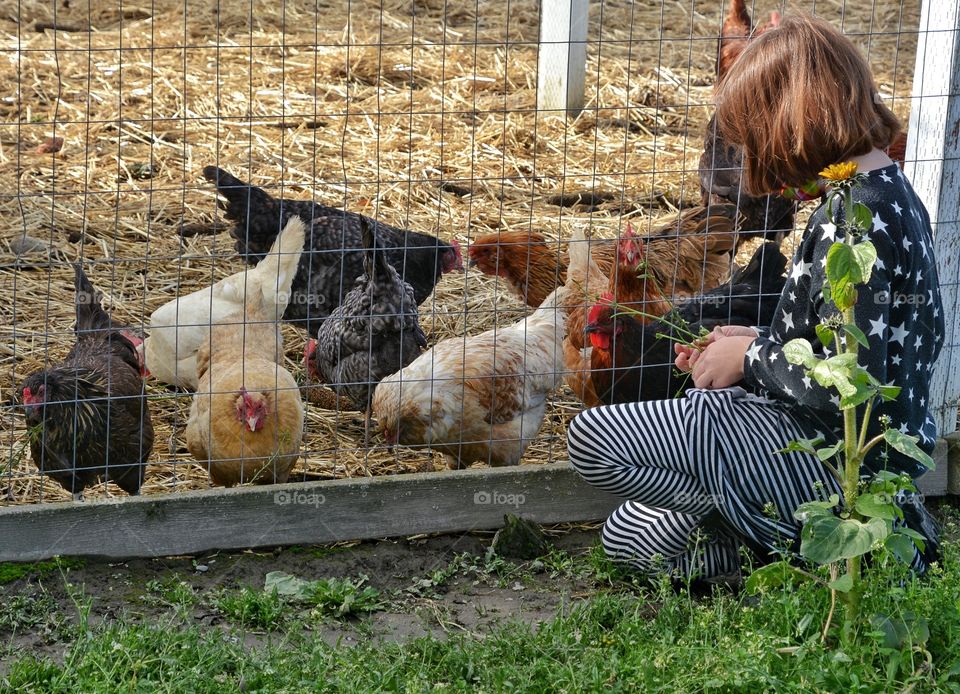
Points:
(686, 255)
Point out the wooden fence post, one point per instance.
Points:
(933, 167)
(562, 60)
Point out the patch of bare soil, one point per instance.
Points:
(429, 586)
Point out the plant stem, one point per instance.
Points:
(851, 455)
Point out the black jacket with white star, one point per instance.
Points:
(899, 310)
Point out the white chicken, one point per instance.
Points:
(178, 328)
(479, 398)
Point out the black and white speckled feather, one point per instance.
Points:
(333, 250)
(374, 333)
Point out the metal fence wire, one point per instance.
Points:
(160, 145)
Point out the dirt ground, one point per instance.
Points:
(432, 586)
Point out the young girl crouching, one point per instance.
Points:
(799, 98)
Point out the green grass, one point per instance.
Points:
(253, 609)
(628, 636)
(12, 571)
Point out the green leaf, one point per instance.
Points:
(866, 387)
(800, 351)
(825, 334)
(814, 509)
(844, 297)
(802, 446)
(287, 584)
(862, 217)
(843, 269)
(901, 632)
(902, 547)
(774, 575)
(865, 255)
(836, 372)
(844, 584)
(889, 393)
(825, 454)
(876, 506)
(827, 539)
(857, 334)
(908, 446)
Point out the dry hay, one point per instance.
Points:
(421, 114)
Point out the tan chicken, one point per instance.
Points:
(179, 327)
(479, 398)
(246, 420)
(687, 254)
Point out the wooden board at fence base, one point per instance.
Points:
(299, 513)
(317, 512)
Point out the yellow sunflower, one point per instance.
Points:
(839, 172)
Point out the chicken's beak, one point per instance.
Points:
(591, 328)
(252, 423)
(471, 262)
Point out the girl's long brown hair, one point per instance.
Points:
(799, 98)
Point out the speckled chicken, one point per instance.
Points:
(88, 417)
(333, 250)
(372, 334)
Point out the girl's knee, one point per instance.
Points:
(580, 435)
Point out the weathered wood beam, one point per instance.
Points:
(299, 513)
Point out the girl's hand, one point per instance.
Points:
(687, 355)
(720, 365)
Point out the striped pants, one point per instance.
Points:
(712, 453)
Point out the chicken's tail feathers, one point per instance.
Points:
(90, 314)
(240, 196)
(276, 271)
(374, 259)
(578, 265)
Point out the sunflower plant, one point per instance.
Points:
(838, 533)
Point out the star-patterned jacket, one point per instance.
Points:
(899, 310)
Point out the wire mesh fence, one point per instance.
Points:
(420, 115)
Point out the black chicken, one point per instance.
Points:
(643, 366)
(88, 417)
(333, 251)
(720, 170)
(374, 333)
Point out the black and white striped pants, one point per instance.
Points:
(678, 461)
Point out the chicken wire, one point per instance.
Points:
(421, 115)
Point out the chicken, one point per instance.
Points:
(88, 417)
(524, 260)
(629, 284)
(180, 327)
(246, 419)
(736, 32)
(478, 398)
(721, 163)
(898, 149)
(333, 251)
(687, 254)
(372, 334)
(629, 362)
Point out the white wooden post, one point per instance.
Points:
(562, 60)
(933, 167)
